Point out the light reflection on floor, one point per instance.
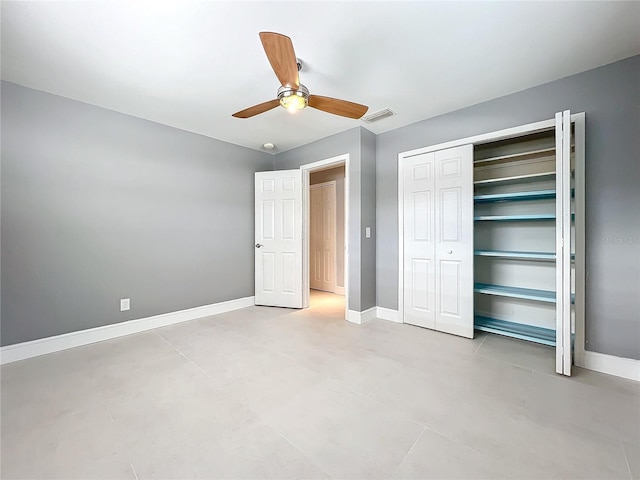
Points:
(326, 303)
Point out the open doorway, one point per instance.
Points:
(325, 244)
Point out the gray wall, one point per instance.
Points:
(368, 215)
(335, 174)
(98, 206)
(351, 142)
(610, 96)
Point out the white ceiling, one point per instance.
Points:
(192, 64)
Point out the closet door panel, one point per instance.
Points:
(450, 206)
(450, 283)
(422, 283)
(418, 232)
(454, 244)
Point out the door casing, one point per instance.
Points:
(306, 170)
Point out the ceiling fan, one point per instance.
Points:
(292, 95)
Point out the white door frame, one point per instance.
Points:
(579, 120)
(335, 230)
(306, 170)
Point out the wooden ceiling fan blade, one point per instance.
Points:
(279, 50)
(337, 106)
(257, 109)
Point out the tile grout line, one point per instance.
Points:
(410, 418)
(533, 370)
(408, 452)
(298, 449)
(504, 362)
(481, 343)
(186, 358)
(376, 402)
(457, 442)
(249, 417)
(134, 471)
(626, 458)
(109, 412)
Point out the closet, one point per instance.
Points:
(520, 217)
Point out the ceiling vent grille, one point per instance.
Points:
(379, 115)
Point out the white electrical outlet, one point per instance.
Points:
(367, 232)
(125, 304)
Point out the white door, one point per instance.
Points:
(563, 243)
(278, 236)
(322, 237)
(419, 244)
(438, 240)
(454, 240)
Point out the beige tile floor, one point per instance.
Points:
(276, 393)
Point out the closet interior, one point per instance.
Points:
(515, 241)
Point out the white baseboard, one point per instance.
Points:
(339, 290)
(21, 351)
(612, 365)
(388, 314)
(361, 317)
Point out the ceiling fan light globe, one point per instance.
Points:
(293, 99)
(293, 102)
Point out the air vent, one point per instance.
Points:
(379, 115)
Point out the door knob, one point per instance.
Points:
(449, 252)
(258, 245)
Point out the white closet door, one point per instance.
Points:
(315, 237)
(322, 236)
(278, 235)
(454, 240)
(419, 245)
(438, 240)
(563, 243)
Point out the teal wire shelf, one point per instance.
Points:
(542, 256)
(515, 218)
(548, 296)
(544, 152)
(544, 176)
(515, 197)
(545, 336)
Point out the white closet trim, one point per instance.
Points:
(579, 262)
(485, 137)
